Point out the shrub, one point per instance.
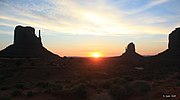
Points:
(56, 86)
(43, 84)
(119, 89)
(50, 85)
(4, 88)
(16, 93)
(92, 84)
(106, 84)
(119, 92)
(1, 77)
(5, 98)
(80, 90)
(29, 94)
(178, 83)
(140, 87)
(6, 74)
(128, 78)
(119, 81)
(20, 85)
(32, 64)
(18, 63)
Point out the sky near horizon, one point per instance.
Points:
(81, 27)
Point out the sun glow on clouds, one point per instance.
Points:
(95, 18)
(72, 17)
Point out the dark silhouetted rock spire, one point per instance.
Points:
(130, 48)
(40, 37)
(130, 53)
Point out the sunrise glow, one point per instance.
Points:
(94, 18)
(96, 55)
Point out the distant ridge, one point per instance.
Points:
(26, 44)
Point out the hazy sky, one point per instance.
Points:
(80, 27)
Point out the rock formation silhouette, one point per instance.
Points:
(24, 36)
(173, 50)
(26, 44)
(130, 48)
(130, 53)
(174, 39)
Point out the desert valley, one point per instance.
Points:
(28, 71)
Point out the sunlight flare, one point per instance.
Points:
(96, 55)
(94, 18)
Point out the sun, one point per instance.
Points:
(96, 55)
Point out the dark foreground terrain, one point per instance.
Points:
(89, 79)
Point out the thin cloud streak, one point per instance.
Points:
(149, 5)
(70, 19)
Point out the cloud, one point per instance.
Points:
(5, 32)
(82, 17)
(145, 6)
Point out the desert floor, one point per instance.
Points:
(89, 79)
